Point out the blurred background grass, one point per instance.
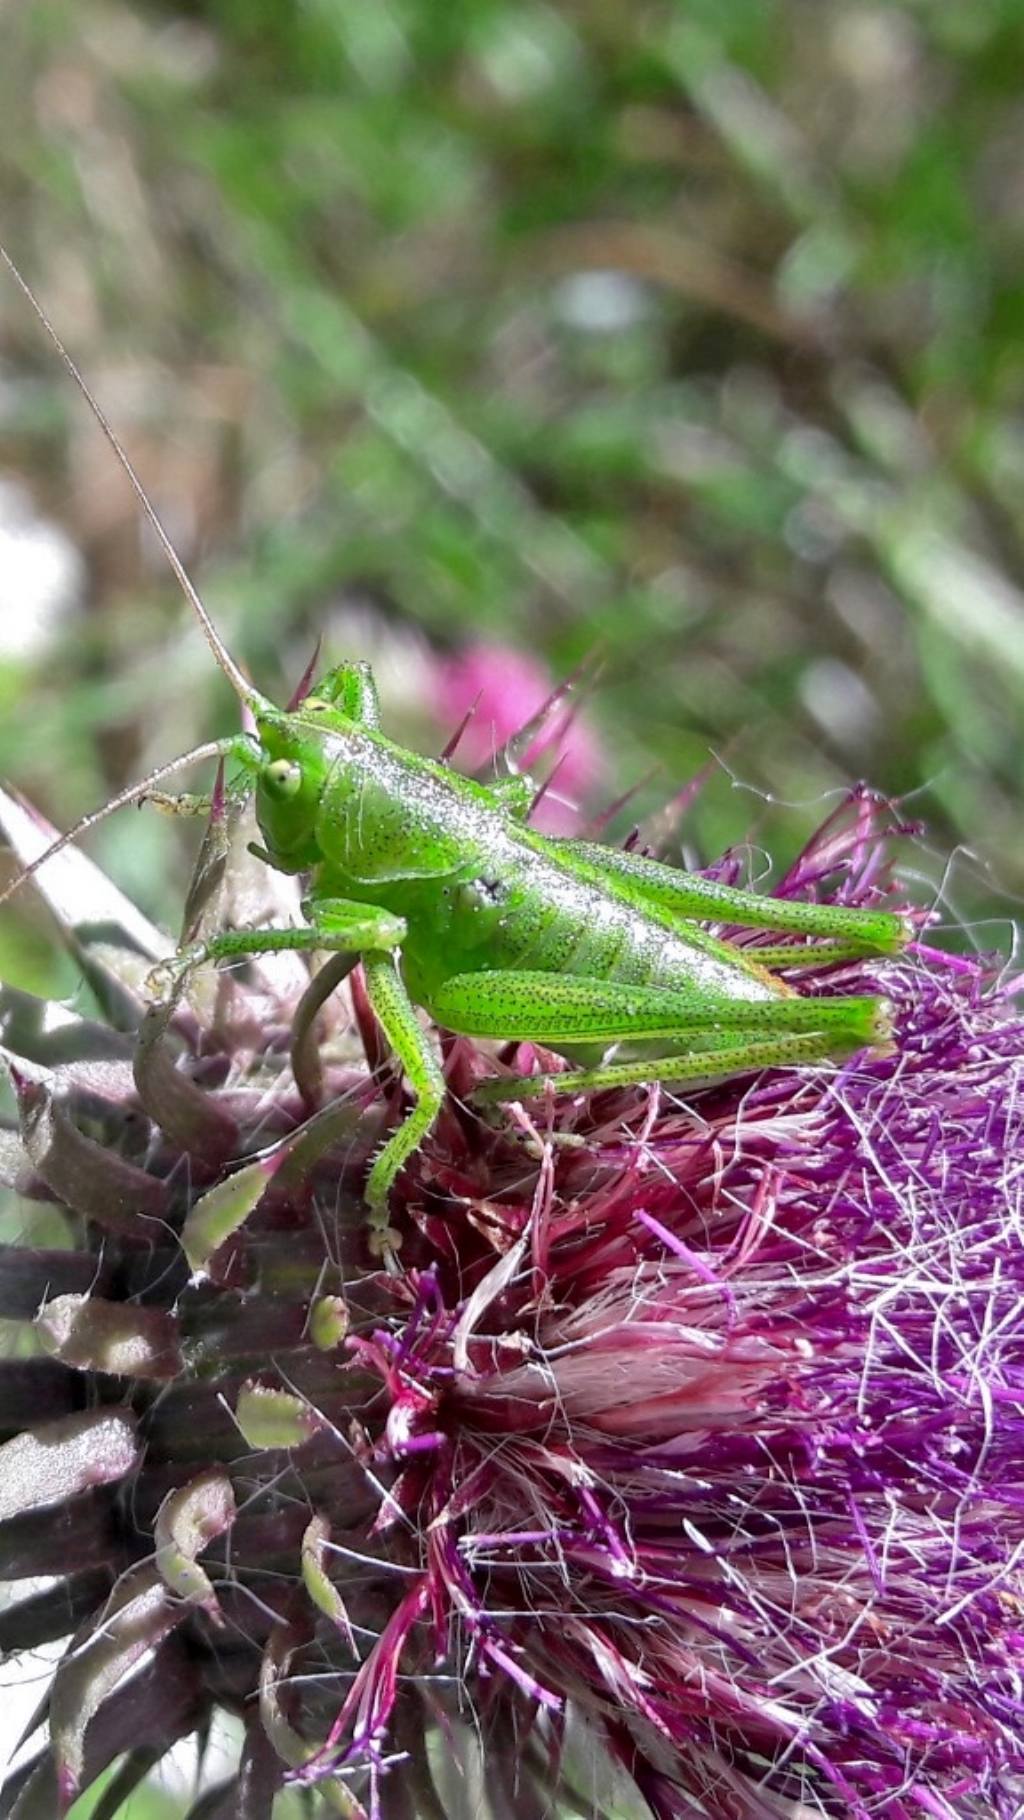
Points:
(696, 331)
(693, 330)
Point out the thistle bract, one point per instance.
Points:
(679, 1471)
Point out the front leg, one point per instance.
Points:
(336, 924)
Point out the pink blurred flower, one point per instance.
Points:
(505, 687)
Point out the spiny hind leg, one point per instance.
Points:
(805, 954)
(562, 1009)
(722, 1035)
(710, 1057)
(690, 897)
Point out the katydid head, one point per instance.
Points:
(293, 767)
(295, 760)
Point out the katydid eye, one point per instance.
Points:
(283, 777)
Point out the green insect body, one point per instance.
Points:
(453, 904)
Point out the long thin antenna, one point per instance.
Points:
(240, 683)
(214, 748)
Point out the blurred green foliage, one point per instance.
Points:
(693, 330)
(149, 1804)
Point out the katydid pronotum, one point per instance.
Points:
(454, 904)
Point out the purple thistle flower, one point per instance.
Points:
(681, 1471)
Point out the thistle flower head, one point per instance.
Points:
(680, 1471)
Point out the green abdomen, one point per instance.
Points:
(533, 915)
(480, 893)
